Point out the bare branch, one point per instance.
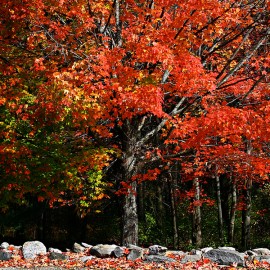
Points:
(118, 24)
(154, 131)
(252, 88)
(235, 53)
(244, 59)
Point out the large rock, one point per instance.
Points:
(227, 248)
(118, 252)
(5, 255)
(104, 251)
(206, 249)
(85, 259)
(158, 259)
(175, 253)
(225, 257)
(86, 245)
(157, 250)
(134, 254)
(261, 251)
(31, 249)
(4, 245)
(262, 258)
(57, 256)
(251, 253)
(191, 258)
(77, 248)
(56, 250)
(196, 252)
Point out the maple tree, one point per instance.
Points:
(86, 84)
(40, 146)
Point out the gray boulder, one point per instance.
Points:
(175, 252)
(227, 248)
(77, 248)
(57, 256)
(104, 251)
(86, 245)
(206, 249)
(158, 259)
(31, 249)
(4, 245)
(196, 252)
(251, 253)
(191, 258)
(56, 250)
(157, 250)
(5, 255)
(225, 257)
(262, 258)
(261, 251)
(134, 254)
(86, 259)
(118, 252)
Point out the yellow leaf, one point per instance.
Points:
(255, 261)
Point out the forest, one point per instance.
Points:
(146, 121)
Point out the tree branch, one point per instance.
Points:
(235, 53)
(154, 131)
(245, 59)
(252, 88)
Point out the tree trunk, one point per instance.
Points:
(130, 167)
(247, 210)
(130, 217)
(246, 216)
(220, 216)
(226, 197)
(130, 211)
(118, 40)
(233, 213)
(174, 214)
(197, 231)
(160, 208)
(141, 203)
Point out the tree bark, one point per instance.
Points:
(141, 203)
(130, 167)
(197, 226)
(247, 210)
(130, 217)
(246, 216)
(130, 209)
(220, 216)
(118, 40)
(160, 208)
(233, 213)
(130, 213)
(174, 213)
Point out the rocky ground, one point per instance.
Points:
(34, 255)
